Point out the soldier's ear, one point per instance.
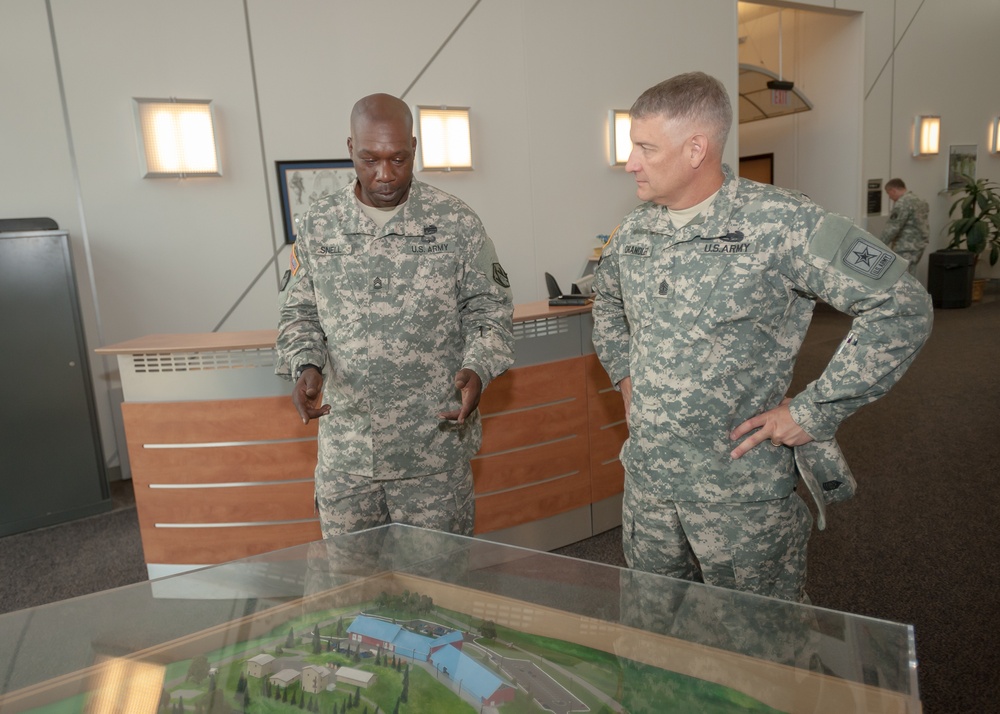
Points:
(697, 149)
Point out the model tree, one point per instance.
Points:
(217, 703)
(488, 628)
(198, 669)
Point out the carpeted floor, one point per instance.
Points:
(77, 558)
(917, 545)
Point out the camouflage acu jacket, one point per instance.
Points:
(907, 230)
(391, 315)
(707, 320)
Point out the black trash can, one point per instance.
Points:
(949, 277)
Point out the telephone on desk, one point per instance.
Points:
(556, 296)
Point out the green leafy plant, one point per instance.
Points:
(975, 217)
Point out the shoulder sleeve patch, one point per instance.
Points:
(487, 263)
(500, 276)
(855, 253)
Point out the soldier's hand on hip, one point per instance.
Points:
(775, 425)
(307, 394)
(471, 387)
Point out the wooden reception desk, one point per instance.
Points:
(223, 467)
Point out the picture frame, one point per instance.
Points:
(961, 160)
(302, 182)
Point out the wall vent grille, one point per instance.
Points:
(160, 362)
(540, 328)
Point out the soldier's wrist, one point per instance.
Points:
(303, 367)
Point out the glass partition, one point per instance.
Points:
(408, 620)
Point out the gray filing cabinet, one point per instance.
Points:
(51, 462)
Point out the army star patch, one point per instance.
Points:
(868, 259)
(500, 276)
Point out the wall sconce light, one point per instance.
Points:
(176, 138)
(995, 136)
(926, 135)
(619, 124)
(444, 142)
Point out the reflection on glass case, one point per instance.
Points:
(405, 620)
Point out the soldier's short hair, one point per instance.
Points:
(895, 183)
(696, 96)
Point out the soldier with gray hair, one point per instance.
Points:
(703, 297)
(907, 231)
(395, 316)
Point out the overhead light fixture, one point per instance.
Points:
(176, 138)
(926, 135)
(444, 141)
(619, 126)
(995, 135)
(780, 84)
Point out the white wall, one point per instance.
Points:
(540, 76)
(195, 255)
(819, 151)
(920, 57)
(944, 63)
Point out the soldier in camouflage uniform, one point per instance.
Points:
(704, 295)
(395, 315)
(907, 231)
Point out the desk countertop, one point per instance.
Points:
(263, 339)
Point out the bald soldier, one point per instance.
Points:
(704, 295)
(395, 316)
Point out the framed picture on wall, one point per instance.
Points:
(961, 160)
(302, 182)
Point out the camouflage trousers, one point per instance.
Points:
(754, 547)
(441, 501)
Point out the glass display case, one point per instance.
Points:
(401, 619)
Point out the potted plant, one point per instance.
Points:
(977, 225)
(973, 227)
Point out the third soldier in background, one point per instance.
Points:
(907, 231)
